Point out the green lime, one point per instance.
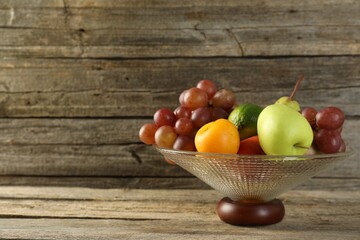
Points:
(245, 117)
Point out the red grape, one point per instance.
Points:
(343, 146)
(208, 86)
(224, 99)
(181, 98)
(195, 98)
(147, 133)
(217, 113)
(184, 126)
(310, 113)
(328, 141)
(164, 116)
(201, 116)
(330, 118)
(184, 143)
(182, 112)
(339, 129)
(165, 136)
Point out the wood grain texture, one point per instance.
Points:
(316, 183)
(58, 213)
(100, 88)
(84, 29)
(109, 229)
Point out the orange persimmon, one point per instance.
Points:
(220, 136)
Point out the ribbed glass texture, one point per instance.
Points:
(252, 177)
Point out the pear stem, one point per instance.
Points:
(296, 86)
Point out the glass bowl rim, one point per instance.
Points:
(349, 151)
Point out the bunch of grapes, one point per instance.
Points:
(198, 106)
(327, 126)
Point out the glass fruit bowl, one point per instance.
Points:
(251, 183)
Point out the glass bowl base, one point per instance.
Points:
(243, 213)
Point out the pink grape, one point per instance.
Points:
(201, 116)
(184, 143)
(165, 136)
(184, 126)
(310, 113)
(328, 141)
(195, 98)
(208, 86)
(182, 112)
(147, 133)
(164, 116)
(224, 99)
(330, 118)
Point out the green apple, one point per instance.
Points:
(283, 131)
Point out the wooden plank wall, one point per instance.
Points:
(78, 78)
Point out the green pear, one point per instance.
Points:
(289, 101)
(283, 131)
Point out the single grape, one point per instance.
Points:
(310, 113)
(208, 86)
(184, 143)
(181, 98)
(217, 113)
(195, 98)
(165, 136)
(224, 99)
(147, 133)
(164, 116)
(328, 141)
(330, 118)
(182, 112)
(169, 161)
(184, 126)
(342, 146)
(201, 116)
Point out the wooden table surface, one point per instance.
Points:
(58, 212)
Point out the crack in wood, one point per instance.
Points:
(196, 27)
(88, 218)
(233, 36)
(200, 31)
(136, 156)
(12, 17)
(79, 33)
(150, 91)
(66, 8)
